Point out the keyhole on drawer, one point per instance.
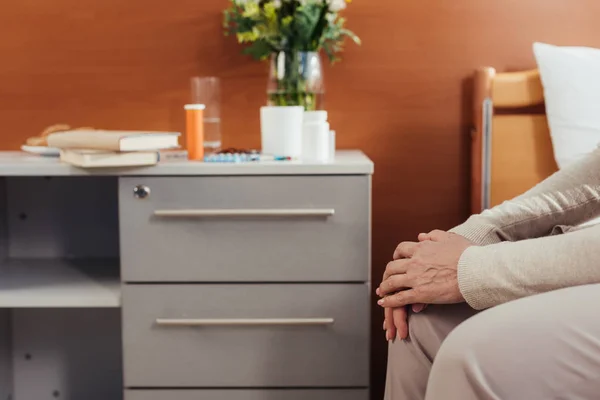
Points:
(141, 191)
(28, 357)
(56, 394)
(22, 216)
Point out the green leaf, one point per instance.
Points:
(259, 50)
(351, 35)
(320, 28)
(306, 21)
(327, 48)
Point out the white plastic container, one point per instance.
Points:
(332, 146)
(316, 138)
(281, 131)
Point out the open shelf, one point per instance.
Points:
(56, 283)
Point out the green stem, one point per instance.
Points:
(291, 90)
(305, 99)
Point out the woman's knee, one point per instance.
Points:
(431, 327)
(522, 349)
(409, 361)
(462, 366)
(427, 330)
(484, 356)
(419, 349)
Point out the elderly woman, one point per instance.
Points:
(537, 277)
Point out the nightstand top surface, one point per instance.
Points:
(347, 162)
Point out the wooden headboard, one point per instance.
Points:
(511, 148)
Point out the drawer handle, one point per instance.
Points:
(235, 213)
(246, 322)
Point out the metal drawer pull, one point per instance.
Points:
(274, 213)
(246, 322)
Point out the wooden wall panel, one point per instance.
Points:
(403, 97)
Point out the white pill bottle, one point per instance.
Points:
(316, 137)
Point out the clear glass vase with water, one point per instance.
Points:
(207, 91)
(296, 79)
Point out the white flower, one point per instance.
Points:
(277, 3)
(336, 5)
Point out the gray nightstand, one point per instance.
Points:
(185, 281)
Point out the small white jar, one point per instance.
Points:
(332, 146)
(316, 137)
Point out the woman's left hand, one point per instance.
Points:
(427, 273)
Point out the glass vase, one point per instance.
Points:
(296, 79)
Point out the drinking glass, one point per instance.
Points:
(207, 91)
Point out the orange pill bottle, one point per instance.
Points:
(194, 117)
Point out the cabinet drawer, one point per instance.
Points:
(262, 335)
(272, 394)
(242, 229)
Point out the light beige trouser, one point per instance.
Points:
(537, 348)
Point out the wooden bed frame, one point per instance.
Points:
(511, 148)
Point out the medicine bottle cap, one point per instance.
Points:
(315, 116)
(194, 107)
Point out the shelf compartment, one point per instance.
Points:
(59, 283)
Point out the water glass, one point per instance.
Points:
(207, 91)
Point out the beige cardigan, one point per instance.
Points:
(528, 244)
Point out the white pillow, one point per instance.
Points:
(571, 80)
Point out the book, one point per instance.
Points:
(113, 140)
(173, 155)
(103, 159)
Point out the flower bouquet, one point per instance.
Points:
(291, 34)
